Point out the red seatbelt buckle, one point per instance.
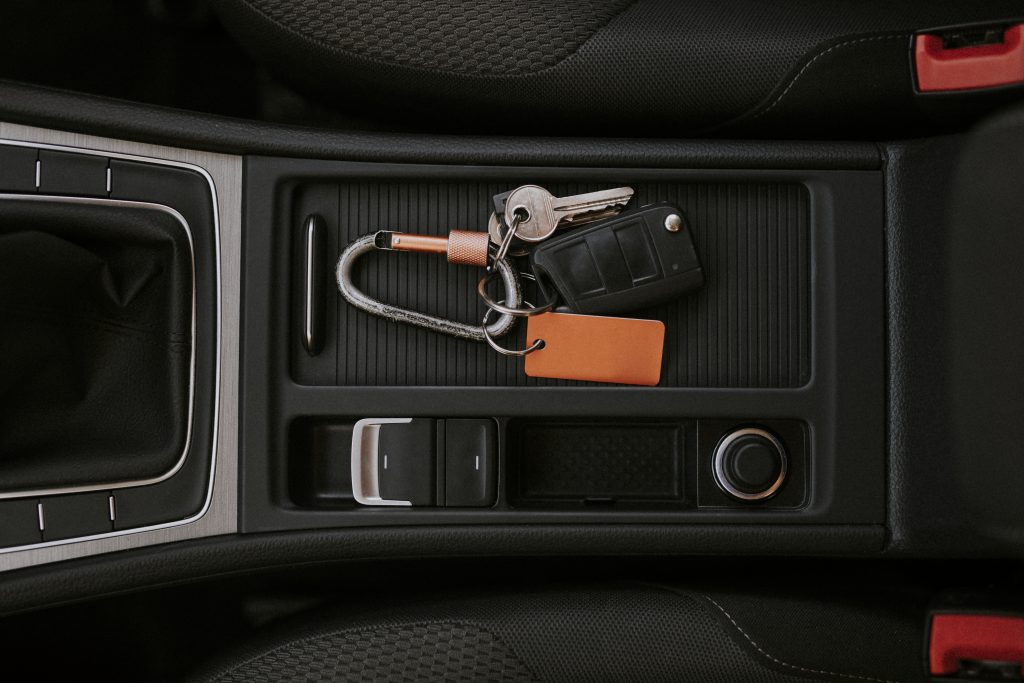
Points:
(969, 59)
(976, 646)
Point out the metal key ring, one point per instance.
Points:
(506, 241)
(481, 289)
(497, 229)
(518, 353)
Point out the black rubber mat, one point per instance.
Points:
(748, 327)
(588, 461)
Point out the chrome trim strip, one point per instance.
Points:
(307, 330)
(365, 479)
(218, 354)
(29, 493)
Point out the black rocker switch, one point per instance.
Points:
(470, 463)
(406, 461)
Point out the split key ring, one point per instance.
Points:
(518, 353)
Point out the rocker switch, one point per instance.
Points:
(402, 461)
(406, 461)
(470, 462)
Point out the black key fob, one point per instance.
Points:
(500, 200)
(638, 259)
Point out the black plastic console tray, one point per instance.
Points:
(749, 326)
(819, 361)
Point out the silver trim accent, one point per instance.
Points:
(217, 365)
(39, 166)
(365, 480)
(39, 511)
(4, 495)
(718, 461)
(108, 179)
(308, 331)
(113, 511)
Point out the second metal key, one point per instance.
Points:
(541, 212)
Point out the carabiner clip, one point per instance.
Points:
(383, 240)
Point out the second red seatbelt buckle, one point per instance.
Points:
(972, 637)
(969, 59)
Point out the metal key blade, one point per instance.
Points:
(583, 208)
(542, 213)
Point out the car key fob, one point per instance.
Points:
(638, 259)
(500, 200)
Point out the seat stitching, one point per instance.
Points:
(787, 664)
(816, 58)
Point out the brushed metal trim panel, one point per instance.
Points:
(221, 513)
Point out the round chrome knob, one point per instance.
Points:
(749, 464)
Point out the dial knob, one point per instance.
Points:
(749, 464)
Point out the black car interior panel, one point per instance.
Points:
(270, 278)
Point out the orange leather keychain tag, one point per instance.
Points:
(596, 348)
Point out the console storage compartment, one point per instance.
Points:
(786, 336)
(627, 464)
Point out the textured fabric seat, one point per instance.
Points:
(678, 68)
(622, 632)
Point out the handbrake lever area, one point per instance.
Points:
(417, 462)
(366, 461)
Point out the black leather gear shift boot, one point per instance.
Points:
(96, 348)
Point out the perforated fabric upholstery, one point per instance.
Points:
(691, 65)
(449, 36)
(396, 652)
(616, 633)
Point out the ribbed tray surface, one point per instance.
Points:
(748, 327)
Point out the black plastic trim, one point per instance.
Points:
(190, 561)
(36, 106)
(953, 245)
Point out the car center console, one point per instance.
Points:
(804, 403)
(750, 424)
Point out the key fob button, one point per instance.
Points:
(620, 264)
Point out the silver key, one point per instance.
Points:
(543, 213)
(497, 232)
